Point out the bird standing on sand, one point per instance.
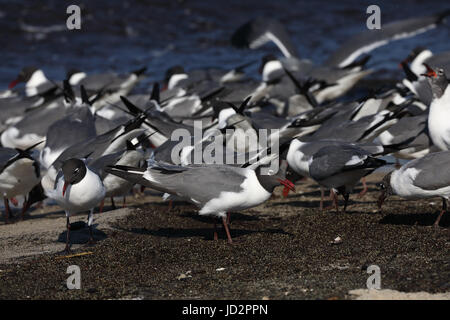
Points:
(215, 189)
(425, 177)
(77, 189)
(340, 167)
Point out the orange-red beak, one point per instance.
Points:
(65, 187)
(13, 84)
(430, 72)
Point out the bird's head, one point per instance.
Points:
(74, 171)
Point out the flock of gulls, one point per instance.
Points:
(88, 137)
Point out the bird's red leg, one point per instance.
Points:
(364, 190)
(228, 218)
(6, 209)
(24, 208)
(100, 210)
(124, 202)
(216, 237)
(224, 220)
(322, 194)
(333, 198)
(397, 163)
(170, 205)
(113, 203)
(444, 209)
(67, 236)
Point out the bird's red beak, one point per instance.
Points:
(65, 187)
(430, 72)
(13, 84)
(288, 185)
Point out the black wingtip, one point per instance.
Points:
(130, 106)
(155, 93)
(408, 72)
(67, 91)
(239, 39)
(243, 105)
(84, 96)
(140, 71)
(303, 88)
(31, 147)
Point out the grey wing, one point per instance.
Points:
(98, 165)
(408, 127)
(38, 121)
(97, 82)
(207, 182)
(433, 171)
(90, 148)
(202, 183)
(366, 41)
(331, 160)
(74, 128)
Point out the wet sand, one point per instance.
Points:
(283, 249)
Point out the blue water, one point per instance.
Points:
(125, 35)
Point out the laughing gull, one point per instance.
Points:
(425, 177)
(300, 154)
(341, 167)
(19, 173)
(421, 55)
(177, 77)
(215, 189)
(331, 82)
(111, 85)
(77, 189)
(35, 81)
(104, 81)
(438, 124)
(259, 31)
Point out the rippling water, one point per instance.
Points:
(125, 35)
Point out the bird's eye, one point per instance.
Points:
(76, 170)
